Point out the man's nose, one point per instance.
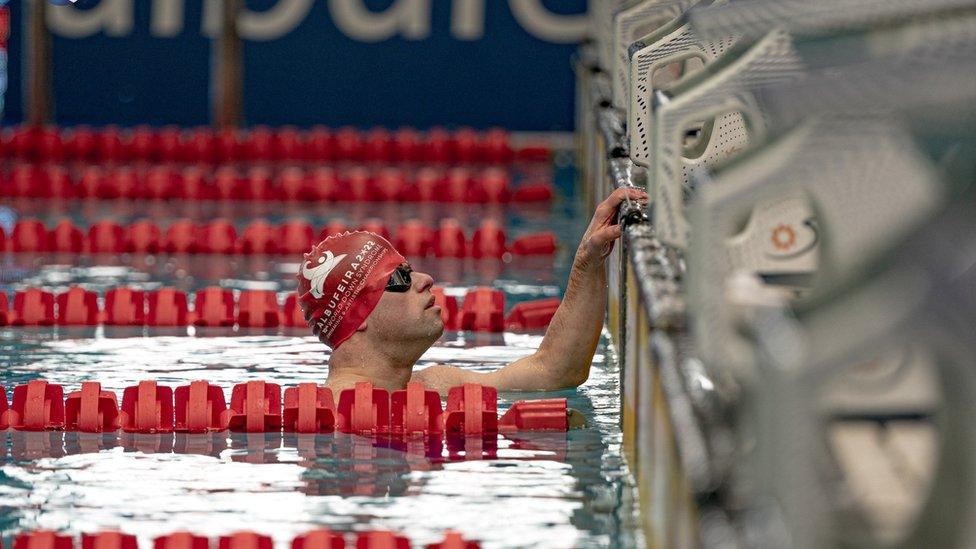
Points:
(421, 281)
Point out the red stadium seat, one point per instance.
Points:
(389, 184)
(108, 145)
(200, 146)
(161, 183)
(259, 144)
(320, 144)
(171, 147)
(348, 144)
(80, 144)
(467, 147)
(228, 145)
(437, 146)
(288, 144)
(143, 144)
(323, 184)
(406, 145)
(378, 145)
(494, 184)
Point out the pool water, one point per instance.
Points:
(526, 490)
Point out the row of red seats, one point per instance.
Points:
(358, 184)
(316, 539)
(257, 407)
(413, 238)
(482, 309)
(260, 143)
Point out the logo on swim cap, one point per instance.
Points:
(316, 275)
(341, 280)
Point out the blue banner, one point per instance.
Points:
(335, 62)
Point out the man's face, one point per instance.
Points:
(407, 316)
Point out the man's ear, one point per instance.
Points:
(362, 327)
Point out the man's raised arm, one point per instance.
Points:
(566, 352)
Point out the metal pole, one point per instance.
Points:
(37, 45)
(227, 75)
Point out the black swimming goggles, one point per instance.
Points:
(400, 279)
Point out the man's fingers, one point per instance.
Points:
(608, 206)
(605, 235)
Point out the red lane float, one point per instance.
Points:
(108, 540)
(294, 237)
(78, 307)
(381, 540)
(43, 539)
(483, 310)
(181, 540)
(472, 409)
(91, 410)
(316, 539)
(255, 407)
(36, 406)
(308, 409)
(363, 410)
(245, 540)
(125, 307)
(454, 540)
(319, 539)
(199, 408)
(416, 411)
(536, 415)
(33, 307)
(532, 315)
(147, 408)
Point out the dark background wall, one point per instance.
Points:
(318, 67)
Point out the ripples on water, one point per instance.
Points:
(541, 490)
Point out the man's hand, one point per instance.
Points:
(597, 241)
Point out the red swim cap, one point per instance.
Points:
(341, 280)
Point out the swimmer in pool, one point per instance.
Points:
(361, 298)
